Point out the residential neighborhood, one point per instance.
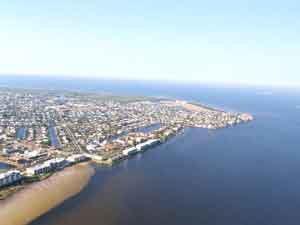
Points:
(42, 132)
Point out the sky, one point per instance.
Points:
(242, 42)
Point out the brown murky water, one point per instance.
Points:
(38, 198)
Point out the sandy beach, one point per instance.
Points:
(38, 198)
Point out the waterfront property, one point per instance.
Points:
(153, 142)
(77, 158)
(47, 166)
(90, 127)
(144, 146)
(57, 163)
(10, 177)
(130, 151)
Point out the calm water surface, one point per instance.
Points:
(149, 129)
(4, 166)
(247, 175)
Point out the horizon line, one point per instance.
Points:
(174, 81)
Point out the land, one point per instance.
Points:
(43, 131)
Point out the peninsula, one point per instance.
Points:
(42, 132)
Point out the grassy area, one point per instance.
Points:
(37, 178)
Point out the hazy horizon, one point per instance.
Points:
(232, 42)
(57, 78)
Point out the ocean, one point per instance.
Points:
(245, 175)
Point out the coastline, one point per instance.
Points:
(49, 192)
(24, 205)
(38, 198)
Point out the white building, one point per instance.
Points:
(130, 151)
(76, 158)
(38, 169)
(56, 163)
(152, 142)
(10, 177)
(91, 147)
(34, 154)
(142, 146)
(47, 166)
(147, 144)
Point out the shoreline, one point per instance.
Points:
(44, 195)
(10, 191)
(50, 192)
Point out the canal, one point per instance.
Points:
(146, 129)
(53, 137)
(149, 129)
(21, 133)
(5, 166)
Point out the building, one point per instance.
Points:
(30, 155)
(147, 144)
(130, 151)
(10, 177)
(77, 158)
(8, 150)
(56, 163)
(153, 142)
(142, 146)
(47, 166)
(38, 169)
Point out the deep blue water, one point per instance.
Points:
(246, 175)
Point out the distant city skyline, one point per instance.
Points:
(224, 42)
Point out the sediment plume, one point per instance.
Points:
(38, 198)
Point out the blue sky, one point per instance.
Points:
(253, 42)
